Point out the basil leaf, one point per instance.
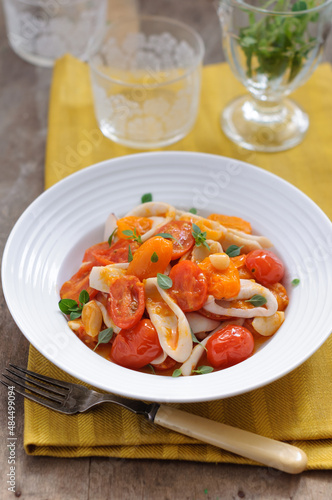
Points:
(295, 282)
(164, 281)
(146, 197)
(177, 373)
(104, 337)
(233, 250)
(75, 309)
(202, 370)
(112, 236)
(130, 254)
(65, 305)
(196, 229)
(75, 315)
(128, 232)
(257, 300)
(193, 211)
(154, 257)
(84, 297)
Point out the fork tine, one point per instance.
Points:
(36, 399)
(58, 391)
(57, 383)
(32, 389)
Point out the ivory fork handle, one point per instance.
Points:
(267, 451)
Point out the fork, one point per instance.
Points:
(71, 398)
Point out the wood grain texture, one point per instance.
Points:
(24, 91)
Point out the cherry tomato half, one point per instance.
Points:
(232, 222)
(180, 230)
(265, 266)
(144, 265)
(72, 288)
(190, 287)
(229, 346)
(137, 346)
(221, 284)
(126, 301)
(102, 254)
(132, 223)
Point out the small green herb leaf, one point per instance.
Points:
(75, 315)
(152, 369)
(233, 250)
(164, 281)
(66, 305)
(166, 235)
(154, 257)
(83, 297)
(201, 370)
(295, 282)
(195, 340)
(193, 211)
(133, 235)
(110, 239)
(130, 254)
(199, 236)
(177, 373)
(169, 237)
(257, 300)
(104, 337)
(146, 197)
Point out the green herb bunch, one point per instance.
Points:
(276, 42)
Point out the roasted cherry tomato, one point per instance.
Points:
(151, 258)
(180, 230)
(240, 263)
(132, 223)
(102, 254)
(126, 301)
(279, 291)
(72, 288)
(265, 266)
(167, 364)
(190, 287)
(229, 346)
(221, 284)
(232, 222)
(137, 346)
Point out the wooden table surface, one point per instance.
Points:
(24, 93)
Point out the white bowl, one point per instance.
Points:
(47, 244)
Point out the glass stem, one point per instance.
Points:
(267, 107)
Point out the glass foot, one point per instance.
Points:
(264, 126)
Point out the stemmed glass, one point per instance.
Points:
(272, 47)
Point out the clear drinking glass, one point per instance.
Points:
(40, 31)
(146, 78)
(272, 47)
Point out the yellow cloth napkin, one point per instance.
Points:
(296, 408)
